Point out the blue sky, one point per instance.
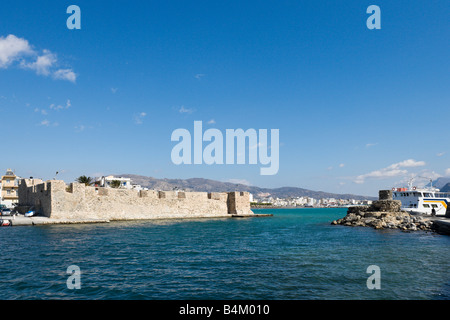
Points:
(357, 109)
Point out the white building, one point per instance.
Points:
(125, 183)
(137, 187)
(9, 186)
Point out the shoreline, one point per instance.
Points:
(20, 221)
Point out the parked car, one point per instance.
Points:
(6, 212)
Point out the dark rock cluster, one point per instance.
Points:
(384, 214)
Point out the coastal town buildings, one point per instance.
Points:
(9, 189)
(309, 202)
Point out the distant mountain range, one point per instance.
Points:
(441, 183)
(446, 188)
(207, 185)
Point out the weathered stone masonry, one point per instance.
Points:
(55, 200)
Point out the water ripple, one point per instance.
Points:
(296, 254)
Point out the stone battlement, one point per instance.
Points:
(53, 199)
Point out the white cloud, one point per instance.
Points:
(14, 49)
(341, 165)
(185, 110)
(139, 118)
(65, 74)
(45, 123)
(212, 121)
(447, 172)
(11, 49)
(410, 163)
(239, 181)
(113, 90)
(60, 107)
(80, 128)
(426, 174)
(43, 63)
(394, 170)
(440, 154)
(199, 76)
(368, 145)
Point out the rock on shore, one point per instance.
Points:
(384, 214)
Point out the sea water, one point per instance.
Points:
(295, 254)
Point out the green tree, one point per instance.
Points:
(86, 180)
(115, 184)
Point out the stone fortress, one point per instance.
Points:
(54, 199)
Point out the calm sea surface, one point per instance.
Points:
(296, 254)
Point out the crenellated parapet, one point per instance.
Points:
(77, 201)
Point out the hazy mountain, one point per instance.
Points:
(440, 182)
(446, 188)
(207, 185)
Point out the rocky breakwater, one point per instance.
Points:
(384, 214)
(391, 218)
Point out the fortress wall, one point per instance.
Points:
(238, 202)
(81, 202)
(34, 193)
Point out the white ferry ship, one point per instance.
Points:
(425, 201)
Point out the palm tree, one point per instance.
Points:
(115, 184)
(86, 180)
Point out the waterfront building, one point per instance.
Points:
(9, 189)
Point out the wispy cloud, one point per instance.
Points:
(113, 90)
(65, 74)
(42, 111)
(342, 165)
(80, 128)
(440, 154)
(61, 107)
(185, 110)
(199, 76)
(18, 51)
(212, 121)
(47, 123)
(368, 145)
(394, 170)
(447, 172)
(139, 118)
(239, 181)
